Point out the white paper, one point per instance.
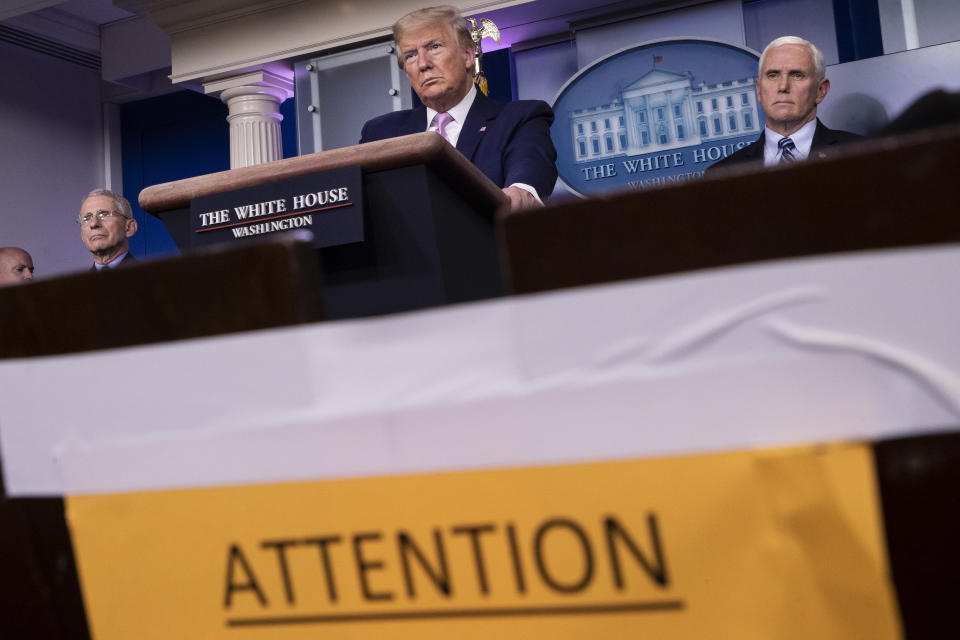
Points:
(850, 346)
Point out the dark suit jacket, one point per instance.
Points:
(823, 140)
(508, 141)
(127, 259)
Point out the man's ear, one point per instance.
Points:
(823, 89)
(131, 227)
(469, 55)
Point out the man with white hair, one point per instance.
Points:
(106, 226)
(790, 84)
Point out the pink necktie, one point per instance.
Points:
(441, 120)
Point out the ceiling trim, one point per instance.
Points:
(13, 8)
(27, 40)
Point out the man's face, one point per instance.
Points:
(438, 68)
(108, 235)
(15, 266)
(788, 89)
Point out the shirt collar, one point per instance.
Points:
(458, 111)
(112, 263)
(802, 139)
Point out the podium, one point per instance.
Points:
(428, 221)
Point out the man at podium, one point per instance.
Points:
(509, 142)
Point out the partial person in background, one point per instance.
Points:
(16, 266)
(937, 108)
(106, 226)
(790, 84)
(508, 141)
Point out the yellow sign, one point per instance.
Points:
(771, 544)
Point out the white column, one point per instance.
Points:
(254, 101)
(672, 128)
(910, 32)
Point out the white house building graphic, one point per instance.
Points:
(662, 111)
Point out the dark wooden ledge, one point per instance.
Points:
(419, 148)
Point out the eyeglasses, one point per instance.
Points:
(84, 218)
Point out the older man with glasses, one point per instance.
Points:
(106, 226)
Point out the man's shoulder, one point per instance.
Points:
(389, 125)
(847, 136)
(527, 105)
(824, 135)
(394, 123)
(486, 106)
(753, 152)
(394, 117)
(523, 107)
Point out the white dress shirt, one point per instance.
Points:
(459, 114)
(802, 139)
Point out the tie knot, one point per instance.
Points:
(787, 150)
(441, 120)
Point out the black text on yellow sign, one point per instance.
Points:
(753, 544)
(559, 556)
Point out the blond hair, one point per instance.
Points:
(431, 16)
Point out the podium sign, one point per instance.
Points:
(327, 203)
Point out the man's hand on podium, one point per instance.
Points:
(520, 198)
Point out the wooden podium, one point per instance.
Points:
(428, 220)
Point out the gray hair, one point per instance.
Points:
(431, 16)
(819, 67)
(119, 201)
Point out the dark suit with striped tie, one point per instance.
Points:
(825, 141)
